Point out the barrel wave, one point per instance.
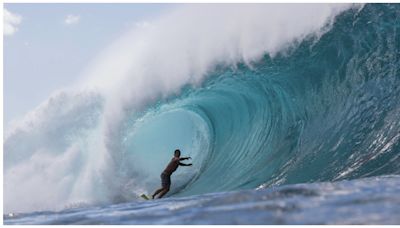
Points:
(325, 109)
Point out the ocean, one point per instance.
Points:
(289, 112)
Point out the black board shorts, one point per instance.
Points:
(165, 180)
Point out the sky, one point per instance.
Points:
(48, 46)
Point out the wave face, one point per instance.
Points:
(327, 108)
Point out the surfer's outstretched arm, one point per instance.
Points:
(184, 158)
(182, 164)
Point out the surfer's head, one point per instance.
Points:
(177, 153)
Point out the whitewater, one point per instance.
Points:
(280, 106)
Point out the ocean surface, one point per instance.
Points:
(290, 117)
(364, 201)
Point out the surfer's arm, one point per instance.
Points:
(184, 158)
(183, 164)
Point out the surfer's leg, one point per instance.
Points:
(163, 192)
(164, 178)
(165, 182)
(158, 191)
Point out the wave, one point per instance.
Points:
(256, 97)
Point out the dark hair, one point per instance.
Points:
(177, 151)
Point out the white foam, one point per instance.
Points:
(182, 47)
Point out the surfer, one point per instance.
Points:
(166, 174)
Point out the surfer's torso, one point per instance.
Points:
(172, 166)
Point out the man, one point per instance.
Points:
(166, 174)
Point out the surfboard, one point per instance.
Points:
(145, 197)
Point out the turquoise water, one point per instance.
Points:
(326, 110)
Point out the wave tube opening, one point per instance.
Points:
(150, 143)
